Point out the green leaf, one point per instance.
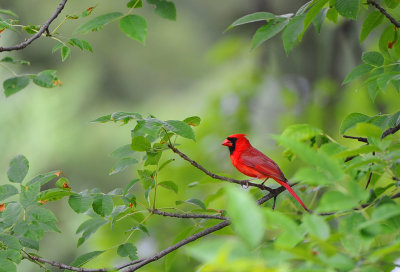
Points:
(291, 233)
(348, 8)
(54, 194)
(302, 132)
(164, 9)
(369, 130)
(336, 201)
(292, 31)
(250, 18)
(42, 179)
(153, 157)
(83, 259)
(147, 178)
(319, 19)
(81, 202)
(57, 47)
(310, 156)
(15, 84)
(386, 39)
(122, 164)
(193, 121)
(140, 143)
(268, 31)
(8, 12)
(129, 186)
(170, 185)
(134, 4)
(357, 72)
(9, 59)
(18, 169)
(391, 3)
(332, 15)
(242, 209)
(46, 79)
(45, 217)
(380, 214)
(127, 250)
(81, 44)
(7, 266)
(65, 52)
(10, 242)
(103, 204)
(89, 227)
(135, 27)
(121, 152)
(12, 213)
(197, 202)
(125, 116)
(352, 120)
(6, 191)
(373, 20)
(394, 120)
(102, 119)
(311, 176)
(373, 58)
(29, 243)
(312, 13)
(316, 226)
(180, 128)
(99, 22)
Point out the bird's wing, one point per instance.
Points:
(258, 161)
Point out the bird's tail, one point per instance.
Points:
(287, 186)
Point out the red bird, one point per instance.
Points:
(253, 163)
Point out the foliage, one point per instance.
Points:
(352, 191)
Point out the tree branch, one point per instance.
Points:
(392, 130)
(188, 215)
(168, 250)
(43, 28)
(360, 139)
(64, 266)
(384, 12)
(215, 176)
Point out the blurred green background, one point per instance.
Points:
(188, 67)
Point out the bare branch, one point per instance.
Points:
(188, 215)
(360, 139)
(384, 12)
(189, 239)
(64, 266)
(392, 130)
(43, 28)
(215, 176)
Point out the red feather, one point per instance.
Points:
(253, 163)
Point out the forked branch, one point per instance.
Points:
(44, 28)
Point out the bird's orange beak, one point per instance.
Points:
(227, 143)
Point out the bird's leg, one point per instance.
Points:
(247, 183)
(273, 204)
(262, 184)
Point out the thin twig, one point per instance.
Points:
(369, 180)
(392, 130)
(43, 28)
(384, 12)
(64, 266)
(360, 139)
(188, 215)
(168, 250)
(215, 176)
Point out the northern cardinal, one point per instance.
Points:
(251, 162)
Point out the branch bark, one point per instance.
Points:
(188, 215)
(384, 12)
(215, 176)
(43, 28)
(64, 266)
